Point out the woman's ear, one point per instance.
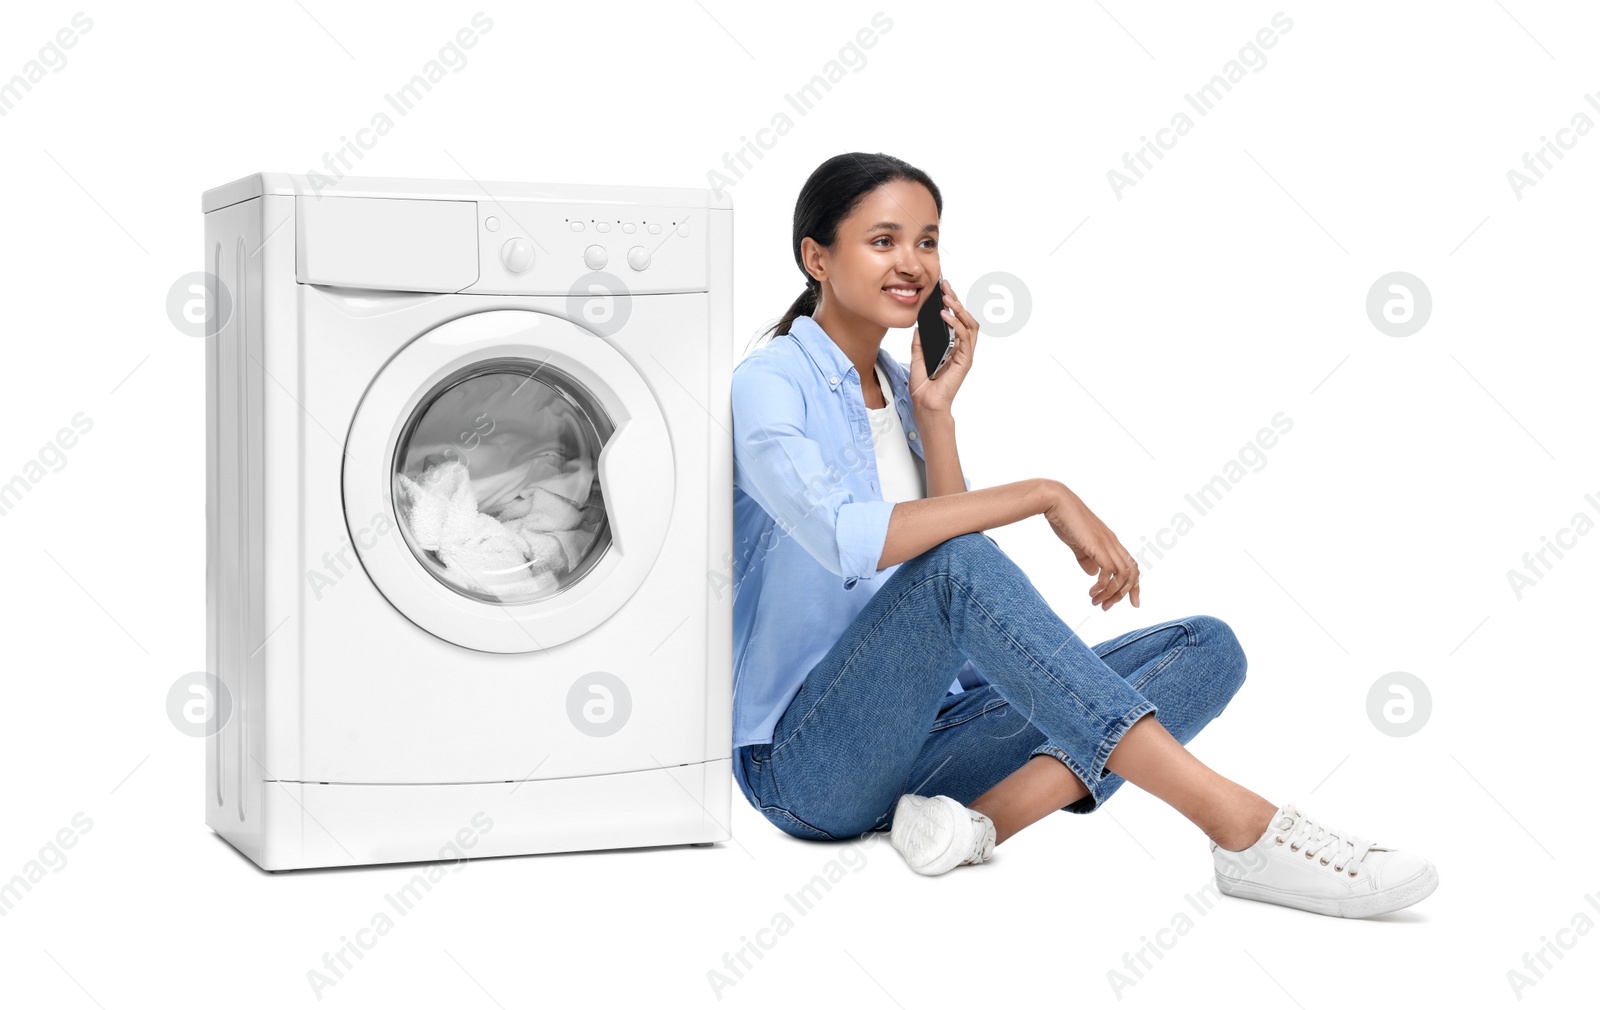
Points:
(811, 255)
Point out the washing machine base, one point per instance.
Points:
(298, 825)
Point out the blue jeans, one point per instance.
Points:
(874, 718)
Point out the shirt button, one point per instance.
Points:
(913, 436)
(833, 379)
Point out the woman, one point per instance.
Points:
(894, 669)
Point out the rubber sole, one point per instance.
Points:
(1397, 897)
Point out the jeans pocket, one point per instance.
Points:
(752, 775)
(764, 796)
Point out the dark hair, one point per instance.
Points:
(829, 196)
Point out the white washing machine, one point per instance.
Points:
(469, 518)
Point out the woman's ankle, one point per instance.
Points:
(1245, 825)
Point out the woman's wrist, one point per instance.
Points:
(1048, 493)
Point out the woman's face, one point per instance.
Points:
(887, 247)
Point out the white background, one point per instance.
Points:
(1168, 326)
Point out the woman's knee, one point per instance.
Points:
(960, 549)
(1215, 634)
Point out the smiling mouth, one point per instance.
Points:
(904, 295)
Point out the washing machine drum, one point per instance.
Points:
(525, 464)
(497, 484)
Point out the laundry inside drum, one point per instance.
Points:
(496, 482)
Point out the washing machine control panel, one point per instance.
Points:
(539, 248)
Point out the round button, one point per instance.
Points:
(517, 255)
(683, 230)
(638, 257)
(913, 436)
(833, 379)
(595, 257)
(491, 223)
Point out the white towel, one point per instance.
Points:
(540, 536)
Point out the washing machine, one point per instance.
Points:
(469, 587)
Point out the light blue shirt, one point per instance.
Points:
(809, 519)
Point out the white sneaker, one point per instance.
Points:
(1305, 864)
(936, 833)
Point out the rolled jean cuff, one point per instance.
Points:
(1094, 777)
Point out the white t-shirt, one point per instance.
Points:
(901, 471)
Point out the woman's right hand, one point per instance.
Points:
(1097, 549)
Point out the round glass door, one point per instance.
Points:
(529, 473)
(496, 481)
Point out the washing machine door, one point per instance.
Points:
(527, 472)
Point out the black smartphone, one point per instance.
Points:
(938, 338)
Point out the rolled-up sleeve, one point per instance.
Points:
(798, 481)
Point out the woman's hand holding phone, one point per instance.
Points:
(1097, 549)
(938, 393)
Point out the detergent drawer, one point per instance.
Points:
(387, 245)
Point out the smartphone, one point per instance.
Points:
(937, 336)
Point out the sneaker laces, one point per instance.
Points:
(1342, 850)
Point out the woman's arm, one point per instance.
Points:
(937, 429)
(920, 523)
